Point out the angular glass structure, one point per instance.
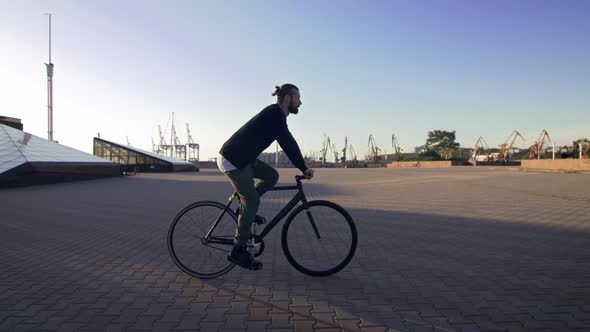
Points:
(26, 159)
(130, 157)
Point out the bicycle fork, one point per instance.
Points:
(309, 215)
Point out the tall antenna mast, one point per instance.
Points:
(49, 89)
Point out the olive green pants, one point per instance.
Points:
(242, 180)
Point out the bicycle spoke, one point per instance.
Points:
(211, 246)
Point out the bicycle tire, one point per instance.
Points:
(188, 252)
(332, 235)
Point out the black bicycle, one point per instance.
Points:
(319, 237)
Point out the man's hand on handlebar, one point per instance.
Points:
(308, 173)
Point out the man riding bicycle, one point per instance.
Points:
(238, 161)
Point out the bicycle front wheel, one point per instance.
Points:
(186, 239)
(320, 241)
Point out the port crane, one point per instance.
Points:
(537, 148)
(163, 147)
(193, 148)
(480, 146)
(506, 148)
(343, 159)
(326, 145)
(178, 148)
(396, 148)
(352, 153)
(373, 155)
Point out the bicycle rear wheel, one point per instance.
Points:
(325, 255)
(186, 244)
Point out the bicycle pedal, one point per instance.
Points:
(252, 247)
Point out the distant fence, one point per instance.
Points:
(557, 164)
(421, 164)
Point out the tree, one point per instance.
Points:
(443, 142)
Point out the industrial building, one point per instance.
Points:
(145, 161)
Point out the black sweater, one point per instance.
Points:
(256, 135)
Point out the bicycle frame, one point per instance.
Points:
(299, 197)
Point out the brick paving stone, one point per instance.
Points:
(190, 292)
(144, 323)
(52, 323)
(300, 313)
(117, 327)
(85, 316)
(467, 327)
(10, 323)
(419, 328)
(299, 301)
(221, 301)
(67, 327)
(280, 320)
(455, 316)
(280, 306)
(373, 329)
(155, 308)
(303, 325)
(349, 324)
(115, 308)
(99, 322)
(189, 322)
(235, 321)
(128, 316)
(262, 291)
(215, 315)
(513, 326)
(24, 327)
(324, 320)
(367, 322)
(210, 326)
(319, 306)
(205, 297)
(239, 307)
(257, 326)
(259, 313)
(395, 324)
(196, 308)
(164, 326)
(172, 315)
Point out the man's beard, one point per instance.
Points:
(293, 109)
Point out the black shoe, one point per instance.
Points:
(241, 257)
(259, 220)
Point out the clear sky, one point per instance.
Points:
(482, 68)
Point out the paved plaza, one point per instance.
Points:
(458, 249)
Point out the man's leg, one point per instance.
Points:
(267, 175)
(242, 181)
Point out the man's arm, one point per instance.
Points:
(289, 145)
